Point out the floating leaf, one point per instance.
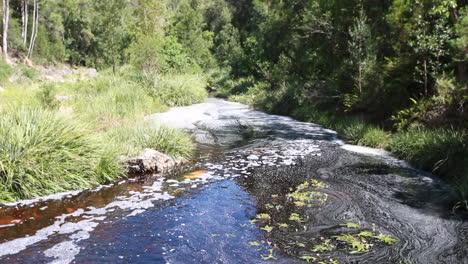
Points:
(352, 225)
(268, 228)
(389, 240)
(308, 258)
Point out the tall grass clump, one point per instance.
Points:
(354, 130)
(43, 153)
(131, 140)
(180, 89)
(443, 151)
(110, 99)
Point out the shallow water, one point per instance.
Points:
(235, 204)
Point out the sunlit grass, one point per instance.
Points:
(42, 153)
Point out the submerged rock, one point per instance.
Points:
(152, 161)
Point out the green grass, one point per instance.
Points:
(180, 90)
(109, 99)
(131, 140)
(352, 129)
(5, 71)
(45, 149)
(44, 153)
(442, 151)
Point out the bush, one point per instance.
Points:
(131, 140)
(43, 153)
(374, 137)
(46, 97)
(180, 90)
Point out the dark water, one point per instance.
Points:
(287, 193)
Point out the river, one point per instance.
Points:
(261, 189)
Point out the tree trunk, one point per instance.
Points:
(426, 82)
(35, 27)
(25, 21)
(6, 18)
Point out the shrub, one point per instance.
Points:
(374, 137)
(42, 153)
(46, 96)
(180, 90)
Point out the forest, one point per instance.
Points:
(387, 74)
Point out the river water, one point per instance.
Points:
(262, 189)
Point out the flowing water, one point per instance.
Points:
(262, 189)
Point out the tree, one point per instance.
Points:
(6, 18)
(188, 27)
(24, 20)
(430, 42)
(361, 49)
(35, 28)
(110, 26)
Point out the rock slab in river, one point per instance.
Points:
(151, 161)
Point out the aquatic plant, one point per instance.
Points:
(387, 239)
(295, 217)
(263, 216)
(352, 225)
(268, 228)
(357, 245)
(324, 247)
(308, 258)
(269, 256)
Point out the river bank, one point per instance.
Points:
(71, 132)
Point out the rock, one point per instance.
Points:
(91, 73)
(152, 161)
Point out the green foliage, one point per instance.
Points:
(159, 55)
(5, 71)
(374, 137)
(46, 96)
(43, 153)
(49, 48)
(131, 139)
(180, 90)
(443, 150)
(110, 98)
(187, 27)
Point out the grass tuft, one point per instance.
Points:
(131, 140)
(43, 153)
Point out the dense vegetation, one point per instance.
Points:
(391, 74)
